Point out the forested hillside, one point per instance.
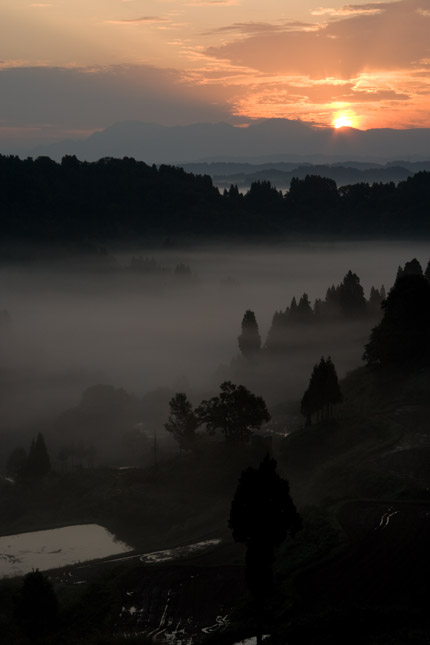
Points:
(121, 199)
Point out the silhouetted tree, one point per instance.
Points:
(351, 296)
(236, 412)
(427, 271)
(262, 516)
(375, 300)
(304, 311)
(413, 267)
(277, 334)
(182, 422)
(318, 309)
(293, 307)
(38, 464)
(322, 393)
(36, 606)
(402, 337)
(250, 339)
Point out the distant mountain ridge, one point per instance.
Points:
(267, 140)
(280, 174)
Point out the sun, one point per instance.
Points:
(342, 120)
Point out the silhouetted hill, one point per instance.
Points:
(113, 200)
(275, 139)
(342, 175)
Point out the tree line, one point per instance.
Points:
(345, 301)
(236, 412)
(41, 200)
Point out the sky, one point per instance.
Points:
(70, 67)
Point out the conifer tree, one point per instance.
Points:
(293, 307)
(250, 339)
(427, 271)
(402, 337)
(351, 295)
(413, 267)
(303, 312)
(323, 392)
(38, 464)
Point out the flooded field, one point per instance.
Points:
(55, 548)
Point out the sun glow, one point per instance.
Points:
(342, 120)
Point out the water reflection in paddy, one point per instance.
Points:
(55, 548)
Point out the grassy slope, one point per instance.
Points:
(375, 454)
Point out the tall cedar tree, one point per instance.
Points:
(351, 296)
(402, 337)
(262, 516)
(322, 393)
(250, 339)
(236, 412)
(38, 464)
(182, 422)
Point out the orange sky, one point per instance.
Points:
(72, 66)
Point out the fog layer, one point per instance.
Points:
(70, 329)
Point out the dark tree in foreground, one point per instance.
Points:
(402, 337)
(262, 516)
(38, 464)
(323, 392)
(236, 412)
(36, 607)
(182, 422)
(250, 339)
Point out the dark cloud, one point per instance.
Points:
(251, 28)
(395, 37)
(50, 101)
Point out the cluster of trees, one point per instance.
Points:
(236, 412)
(323, 392)
(123, 198)
(32, 465)
(402, 337)
(345, 301)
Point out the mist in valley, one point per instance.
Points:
(150, 334)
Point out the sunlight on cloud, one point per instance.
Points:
(211, 3)
(348, 10)
(134, 21)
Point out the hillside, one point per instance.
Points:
(263, 140)
(122, 201)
